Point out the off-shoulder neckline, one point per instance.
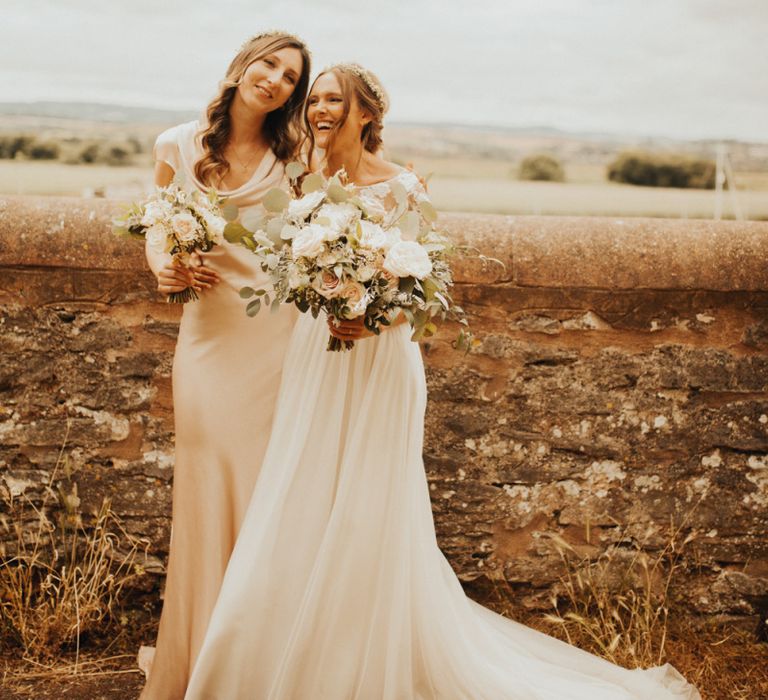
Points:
(402, 171)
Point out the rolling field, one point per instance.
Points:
(457, 184)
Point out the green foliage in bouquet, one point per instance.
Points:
(331, 247)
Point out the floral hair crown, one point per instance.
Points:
(276, 33)
(368, 78)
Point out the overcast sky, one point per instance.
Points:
(680, 68)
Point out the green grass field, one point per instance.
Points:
(457, 184)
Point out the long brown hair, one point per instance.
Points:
(281, 126)
(371, 98)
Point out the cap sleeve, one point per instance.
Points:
(166, 149)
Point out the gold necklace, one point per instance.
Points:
(247, 165)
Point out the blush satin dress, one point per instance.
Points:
(226, 375)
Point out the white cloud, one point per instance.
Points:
(685, 68)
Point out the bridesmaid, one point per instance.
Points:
(226, 369)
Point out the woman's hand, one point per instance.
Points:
(354, 329)
(174, 277)
(348, 329)
(205, 277)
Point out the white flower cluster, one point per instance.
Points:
(343, 251)
(177, 222)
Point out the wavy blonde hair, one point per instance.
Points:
(282, 126)
(371, 98)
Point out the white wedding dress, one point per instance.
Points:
(336, 588)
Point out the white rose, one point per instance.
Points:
(215, 226)
(309, 241)
(408, 259)
(185, 226)
(297, 279)
(365, 273)
(373, 207)
(339, 217)
(394, 235)
(272, 260)
(157, 238)
(155, 212)
(371, 235)
(300, 209)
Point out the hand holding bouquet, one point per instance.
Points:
(339, 250)
(177, 222)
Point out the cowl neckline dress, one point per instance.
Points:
(226, 375)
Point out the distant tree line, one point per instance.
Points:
(70, 150)
(632, 168)
(654, 170)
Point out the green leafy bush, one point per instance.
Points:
(43, 150)
(657, 170)
(541, 167)
(11, 144)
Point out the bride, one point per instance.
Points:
(336, 588)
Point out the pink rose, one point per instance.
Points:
(330, 284)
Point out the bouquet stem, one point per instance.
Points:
(337, 345)
(182, 297)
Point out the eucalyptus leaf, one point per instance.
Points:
(253, 308)
(312, 183)
(276, 200)
(442, 300)
(247, 292)
(274, 229)
(294, 170)
(253, 220)
(430, 288)
(337, 194)
(398, 191)
(428, 211)
(409, 224)
(230, 211)
(275, 306)
(235, 233)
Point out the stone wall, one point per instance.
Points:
(620, 384)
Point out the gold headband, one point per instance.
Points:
(368, 78)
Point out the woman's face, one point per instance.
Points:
(325, 110)
(269, 81)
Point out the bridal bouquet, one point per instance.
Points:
(339, 251)
(178, 222)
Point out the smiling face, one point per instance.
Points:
(334, 117)
(269, 81)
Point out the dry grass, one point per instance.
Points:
(96, 678)
(618, 606)
(64, 579)
(621, 607)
